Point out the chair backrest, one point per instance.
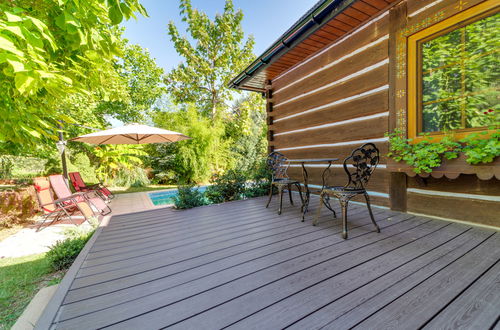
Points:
(77, 181)
(59, 186)
(44, 195)
(278, 164)
(360, 165)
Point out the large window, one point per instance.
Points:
(456, 74)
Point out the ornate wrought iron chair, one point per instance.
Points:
(278, 164)
(359, 167)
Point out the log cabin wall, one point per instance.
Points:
(354, 91)
(449, 195)
(333, 102)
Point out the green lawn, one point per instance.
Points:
(20, 280)
(152, 187)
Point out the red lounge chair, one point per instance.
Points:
(80, 186)
(59, 208)
(62, 191)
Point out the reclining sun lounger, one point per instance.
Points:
(81, 186)
(59, 208)
(62, 191)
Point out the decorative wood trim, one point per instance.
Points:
(414, 62)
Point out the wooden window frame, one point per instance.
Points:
(466, 17)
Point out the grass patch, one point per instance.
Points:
(20, 280)
(152, 187)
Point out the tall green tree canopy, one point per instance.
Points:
(51, 53)
(214, 52)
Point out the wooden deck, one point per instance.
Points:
(242, 266)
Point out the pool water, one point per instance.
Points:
(167, 197)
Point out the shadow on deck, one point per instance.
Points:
(240, 265)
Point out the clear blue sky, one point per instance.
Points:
(266, 20)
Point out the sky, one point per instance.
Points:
(266, 20)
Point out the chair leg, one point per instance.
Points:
(370, 211)
(270, 196)
(318, 213)
(280, 192)
(344, 203)
(301, 198)
(290, 193)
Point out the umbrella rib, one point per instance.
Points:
(129, 137)
(106, 140)
(168, 140)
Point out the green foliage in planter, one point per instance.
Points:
(479, 150)
(189, 197)
(62, 254)
(425, 155)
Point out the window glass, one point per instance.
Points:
(460, 78)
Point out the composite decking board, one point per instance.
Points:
(252, 260)
(477, 308)
(253, 301)
(114, 282)
(242, 280)
(174, 220)
(192, 259)
(171, 237)
(418, 305)
(193, 288)
(185, 301)
(232, 226)
(349, 309)
(197, 242)
(160, 261)
(298, 305)
(162, 251)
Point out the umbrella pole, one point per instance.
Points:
(63, 154)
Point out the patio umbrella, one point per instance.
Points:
(132, 134)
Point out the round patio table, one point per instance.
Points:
(303, 162)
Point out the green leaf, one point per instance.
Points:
(24, 83)
(16, 65)
(12, 17)
(9, 46)
(115, 15)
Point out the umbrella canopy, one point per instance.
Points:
(132, 134)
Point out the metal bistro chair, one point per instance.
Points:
(359, 166)
(278, 164)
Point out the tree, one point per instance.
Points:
(50, 52)
(219, 54)
(143, 81)
(196, 159)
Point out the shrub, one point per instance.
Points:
(80, 162)
(189, 197)
(17, 206)
(227, 187)
(62, 254)
(6, 166)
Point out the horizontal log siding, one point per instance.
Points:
(309, 101)
(321, 152)
(351, 65)
(465, 209)
(339, 49)
(379, 182)
(363, 106)
(359, 130)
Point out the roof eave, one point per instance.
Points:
(303, 28)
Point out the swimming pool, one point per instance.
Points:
(167, 196)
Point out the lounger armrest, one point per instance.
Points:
(61, 200)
